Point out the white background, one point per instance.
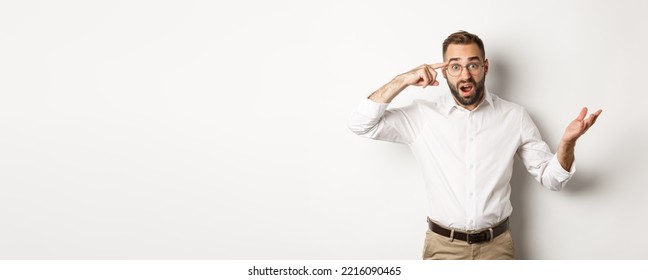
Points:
(217, 130)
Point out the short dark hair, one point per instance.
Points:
(463, 38)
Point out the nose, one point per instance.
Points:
(465, 74)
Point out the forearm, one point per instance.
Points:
(565, 154)
(389, 91)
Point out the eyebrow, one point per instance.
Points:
(469, 59)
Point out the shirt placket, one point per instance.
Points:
(471, 187)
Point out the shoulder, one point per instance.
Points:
(506, 106)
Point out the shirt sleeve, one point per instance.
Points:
(373, 120)
(538, 159)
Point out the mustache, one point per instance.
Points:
(470, 80)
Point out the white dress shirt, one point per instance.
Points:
(466, 156)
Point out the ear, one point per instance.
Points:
(485, 67)
(443, 71)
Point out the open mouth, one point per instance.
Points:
(466, 88)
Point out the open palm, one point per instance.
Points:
(580, 125)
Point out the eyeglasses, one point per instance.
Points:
(455, 69)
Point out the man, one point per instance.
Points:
(465, 143)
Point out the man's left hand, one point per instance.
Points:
(580, 125)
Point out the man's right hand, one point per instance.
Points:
(421, 76)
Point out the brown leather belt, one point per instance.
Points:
(471, 237)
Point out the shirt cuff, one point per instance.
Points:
(371, 109)
(558, 171)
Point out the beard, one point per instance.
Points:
(469, 100)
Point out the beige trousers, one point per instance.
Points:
(438, 247)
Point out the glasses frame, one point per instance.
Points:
(481, 65)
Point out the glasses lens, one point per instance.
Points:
(474, 68)
(454, 69)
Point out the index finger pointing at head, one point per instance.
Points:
(438, 65)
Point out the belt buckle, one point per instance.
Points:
(470, 233)
(478, 236)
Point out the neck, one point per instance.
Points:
(472, 106)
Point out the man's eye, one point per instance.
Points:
(455, 67)
(473, 66)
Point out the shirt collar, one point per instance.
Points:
(450, 103)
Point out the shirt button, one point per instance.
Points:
(471, 166)
(471, 194)
(470, 139)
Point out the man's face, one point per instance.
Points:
(467, 87)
